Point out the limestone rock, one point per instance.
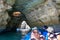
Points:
(45, 14)
(3, 14)
(57, 1)
(39, 12)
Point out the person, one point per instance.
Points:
(14, 21)
(42, 37)
(53, 37)
(58, 36)
(36, 35)
(49, 30)
(16, 18)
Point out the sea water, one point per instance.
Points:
(10, 36)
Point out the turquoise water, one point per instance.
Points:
(10, 36)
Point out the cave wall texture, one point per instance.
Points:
(37, 12)
(40, 12)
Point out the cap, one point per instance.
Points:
(35, 28)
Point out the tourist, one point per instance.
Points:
(58, 36)
(15, 21)
(42, 37)
(52, 37)
(36, 35)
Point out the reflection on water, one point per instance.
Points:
(10, 36)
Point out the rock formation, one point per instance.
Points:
(37, 12)
(42, 14)
(3, 14)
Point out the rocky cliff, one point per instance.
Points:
(37, 12)
(3, 13)
(40, 12)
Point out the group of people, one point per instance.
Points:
(37, 35)
(48, 34)
(17, 23)
(52, 35)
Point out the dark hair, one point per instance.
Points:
(33, 39)
(16, 11)
(45, 27)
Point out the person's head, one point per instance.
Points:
(58, 36)
(34, 30)
(16, 13)
(36, 34)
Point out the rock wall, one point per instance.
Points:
(44, 14)
(3, 14)
(40, 12)
(37, 12)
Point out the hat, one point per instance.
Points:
(35, 28)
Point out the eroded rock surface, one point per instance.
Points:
(3, 14)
